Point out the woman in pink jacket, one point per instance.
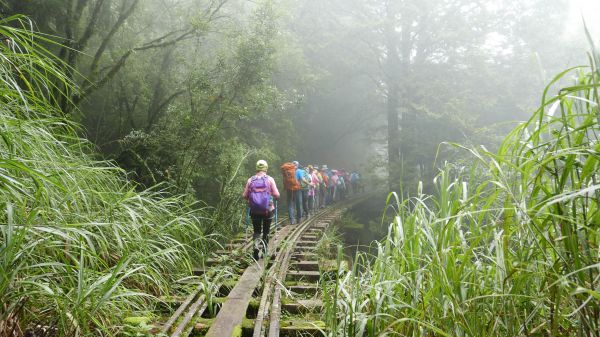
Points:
(314, 189)
(259, 192)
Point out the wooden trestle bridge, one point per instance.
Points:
(276, 296)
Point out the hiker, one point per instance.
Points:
(347, 187)
(260, 191)
(354, 179)
(334, 185)
(305, 184)
(341, 185)
(292, 191)
(324, 186)
(348, 183)
(318, 179)
(330, 185)
(312, 195)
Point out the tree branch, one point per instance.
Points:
(120, 20)
(166, 40)
(162, 106)
(89, 30)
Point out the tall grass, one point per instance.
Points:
(509, 246)
(79, 247)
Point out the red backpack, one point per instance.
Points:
(288, 170)
(325, 179)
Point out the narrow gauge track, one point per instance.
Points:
(196, 302)
(294, 246)
(299, 247)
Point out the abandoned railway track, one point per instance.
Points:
(275, 296)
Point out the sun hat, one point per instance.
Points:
(262, 165)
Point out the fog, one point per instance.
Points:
(176, 90)
(465, 72)
(583, 10)
(136, 135)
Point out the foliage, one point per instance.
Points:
(169, 89)
(329, 240)
(79, 247)
(507, 247)
(453, 66)
(229, 110)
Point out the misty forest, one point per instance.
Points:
(299, 168)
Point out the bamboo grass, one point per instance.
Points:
(509, 246)
(80, 247)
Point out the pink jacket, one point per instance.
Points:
(274, 191)
(334, 179)
(315, 182)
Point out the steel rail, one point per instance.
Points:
(198, 307)
(270, 305)
(280, 266)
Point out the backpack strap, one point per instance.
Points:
(256, 177)
(269, 183)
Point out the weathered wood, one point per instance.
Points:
(303, 306)
(304, 275)
(302, 330)
(234, 309)
(306, 265)
(305, 243)
(304, 289)
(178, 312)
(302, 256)
(188, 316)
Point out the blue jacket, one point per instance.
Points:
(302, 175)
(299, 174)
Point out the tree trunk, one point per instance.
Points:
(155, 107)
(408, 123)
(392, 67)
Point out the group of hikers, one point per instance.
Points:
(307, 189)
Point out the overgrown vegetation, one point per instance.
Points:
(183, 93)
(80, 247)
(509, 246)
(173, 91)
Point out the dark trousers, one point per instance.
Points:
(305, 202)
(262, 225)
(294, 201)
(322, 193)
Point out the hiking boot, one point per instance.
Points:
(255, 255)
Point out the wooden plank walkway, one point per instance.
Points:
(234, 309)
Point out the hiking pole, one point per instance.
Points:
(275, 213)
(247, 217)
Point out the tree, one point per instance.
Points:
(88, 30)
(226, 103)
(168, 87)
(422, 72)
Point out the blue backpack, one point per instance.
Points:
(260, 195)
(305, 176)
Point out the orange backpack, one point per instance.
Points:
(288, 170)
(325, 179)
